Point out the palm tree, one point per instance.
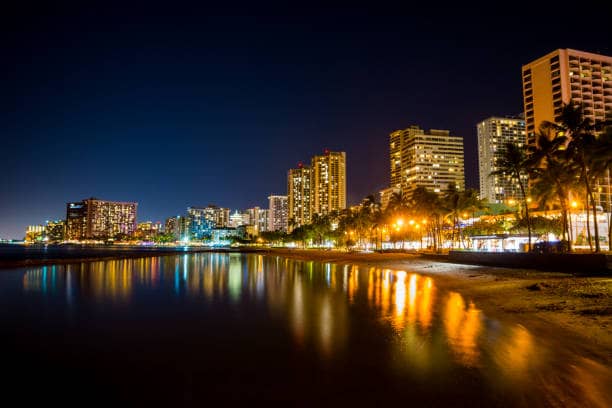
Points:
(514, 164)
(427, 204)
(553, 175)
(602, 162)
(398, 202)
(553, 184)
(452, 205)
(469, 203)
(580, 149)
(292, 224)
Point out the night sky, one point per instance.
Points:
(172, 108)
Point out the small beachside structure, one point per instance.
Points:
(500, 243)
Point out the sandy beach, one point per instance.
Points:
(578, 309)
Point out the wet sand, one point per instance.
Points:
(575, 308)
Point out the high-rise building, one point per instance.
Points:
(386, 194)
(493, 135)
(263, 220)
(420, 159)
(395, 156)
(328, 182)
(562, 76)
(257, 218)
(181, 228)
(99, 219)
(201, 221)
(55, 231)
(218, 216)
(170, 226)
(299, 182)
(76, 220)
(277, 216)
(565, 76)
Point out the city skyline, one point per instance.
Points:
(141, 112)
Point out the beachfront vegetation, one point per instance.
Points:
(568, 159)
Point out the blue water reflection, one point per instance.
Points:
(346, 333)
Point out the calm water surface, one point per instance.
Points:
(221, 329)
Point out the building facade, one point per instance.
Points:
(148, 230)
(431, 159)
(99, 219)
(55, 231)
(386, 194)
(328, 172)
(257, 220)
(263, 220)
(299, 183)
(278, 213)
(180, 227)
(493, 135)
(565, 76)
(35, 233)
(209, 217)
(237, 219)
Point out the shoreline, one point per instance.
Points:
(109, 254)
(577, 307)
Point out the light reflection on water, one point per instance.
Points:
(431, 333)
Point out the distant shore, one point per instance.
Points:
(18, 256)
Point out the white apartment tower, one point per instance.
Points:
(493, 135)
(278, 213)
(431, 159)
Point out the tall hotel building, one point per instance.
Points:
(277, 215)
(328, 182)
(219, 217)
(565, 76)
(493, 135)
(562, 76)
(299, 197)
(421, 159)
(258, 219)
(99, 219)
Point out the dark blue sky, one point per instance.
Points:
(175, 108)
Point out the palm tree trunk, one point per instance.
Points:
(434, 238)
(452, 233)
(588, 221)
(566, 230)
(439, 231)
(595, 226)
(461, 242)
(587, 184)
(526, 213)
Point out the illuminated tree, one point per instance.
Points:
(514, 164)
